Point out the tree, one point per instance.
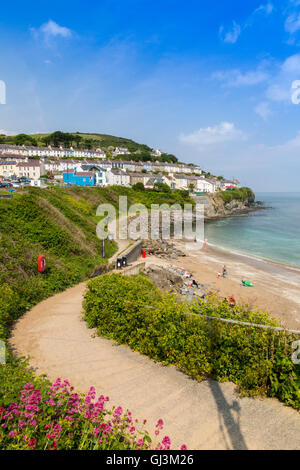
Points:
(24, 139)
(138, 187)
(162, 187)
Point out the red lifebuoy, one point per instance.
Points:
(42, 263)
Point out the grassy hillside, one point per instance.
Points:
(60, 223)
(76, 139)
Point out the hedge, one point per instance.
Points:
(132, 311)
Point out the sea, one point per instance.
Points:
(270, 234)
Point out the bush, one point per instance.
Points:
(258, 361)
(162, 187)
(240, 194)
(138, 187)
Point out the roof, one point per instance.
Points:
(89, 167)
(85, 173)
(35, 163)
(117, 171)
(7, 163)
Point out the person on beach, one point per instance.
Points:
(225, 273)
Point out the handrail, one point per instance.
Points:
(237, 322)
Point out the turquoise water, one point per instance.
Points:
(272, 234)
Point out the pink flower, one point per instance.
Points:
(118, 411)
(32, 443)
(183, 447)
(160, 424)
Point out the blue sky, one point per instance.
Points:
(209, 82)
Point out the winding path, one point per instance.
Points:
(207, 415)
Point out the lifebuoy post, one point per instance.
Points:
(42, 263)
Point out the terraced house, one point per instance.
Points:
(33, 169)
(8, 168)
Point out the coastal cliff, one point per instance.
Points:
(219, 205)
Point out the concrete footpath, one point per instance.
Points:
(207, 415)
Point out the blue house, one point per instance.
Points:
(80, 178)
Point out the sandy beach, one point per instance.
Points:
(276, 287)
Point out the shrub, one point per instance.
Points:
(138, 187)
(240, 194)
(162, 187)
(132, 311)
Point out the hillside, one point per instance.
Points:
(60, 223)
(79, 138)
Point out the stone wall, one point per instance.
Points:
(133, 252)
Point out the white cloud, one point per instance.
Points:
(292, 23)
(231, 36)
(51, 30)
(291, 64)
(267, 9)
(289, 71)
(4, 132)
(223, 132)
(236, 78)
(263, 110)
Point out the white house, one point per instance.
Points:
(205, 185)
(8, 168)
(33, 169)
(120, 151)
(117, 177)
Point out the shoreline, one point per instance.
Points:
(276, 286)
(254, 258)
(238, 213)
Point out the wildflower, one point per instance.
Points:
(118, 411)
(183, 447)
(53, 447)
(32, 443)
(160, 424)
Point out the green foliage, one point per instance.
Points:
(138, 187)
(24, 139)
(240, 194)
(149, 197)
(78, 139)
(61, 223)
(162, 187)
(132, 311)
